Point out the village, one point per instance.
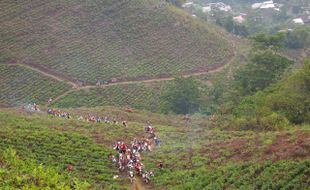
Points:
(259, 12)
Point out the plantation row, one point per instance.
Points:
(35, 138)
(104, 40)
(278, 175)
(20, 86)
(138, 96)
(16, 173)
(205, 156)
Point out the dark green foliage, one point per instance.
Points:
(272, 42)
(27, 174)
(181, 97)
(177, 3)
(289, 99)
(298, 38)
(232, 27)
(226, 22)
(264, 68)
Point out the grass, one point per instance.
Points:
(278, 175)
(104, 39)
(16, 173)
(20, 86)
(35, 138)
(138, 96)
(195, 157)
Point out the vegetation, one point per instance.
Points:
(104, 39)
(298, 38)
(204, 154)
(37, 138)
(286, 100)
(177, 3)
(181, 97)
(248, 129)
(228, 23)
(26, 174)
(134, 95)
(20, 86)
(264, 94)
(264, 68)
(278, 175)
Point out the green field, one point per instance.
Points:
(206, 158)
(21, 86)
(138, 96)
(104, 39)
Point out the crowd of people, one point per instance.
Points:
(88, 117)
(31, 107)
(128, 158)
(58, 113)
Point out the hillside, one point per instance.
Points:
(20, 85)
(207, 158)
(101, 40)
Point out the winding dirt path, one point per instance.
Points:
(138, 184)
(76, 87)
(48, 73)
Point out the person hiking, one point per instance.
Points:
(157, 141)
(131, 176)
(161, 165)
(69, 168)
(125, 124)
(50, 101)
(123, 148)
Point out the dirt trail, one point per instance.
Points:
(50, 74)
(138, 184)
(76, 88)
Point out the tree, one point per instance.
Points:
(226, 22)
(264, 68)
(181, 97)
(272, 42)
(298, 38)
(177, 3)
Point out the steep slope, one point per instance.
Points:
(20, 85)
(105, 39)
(194, 156)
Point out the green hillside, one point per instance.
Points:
(104, 39)
(139, 96)
(20, 86)
(207, 158)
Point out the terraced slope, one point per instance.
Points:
(194, 156)
(105, 39)
(20, 85)
(139, 96)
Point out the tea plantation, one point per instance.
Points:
(104, 39)
(194, 157)
(20, 86)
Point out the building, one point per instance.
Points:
(305, 19)
(266, 5)
(216, 6)
(206, 9)
(239, 19)
(187, 5)
(298, 21)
